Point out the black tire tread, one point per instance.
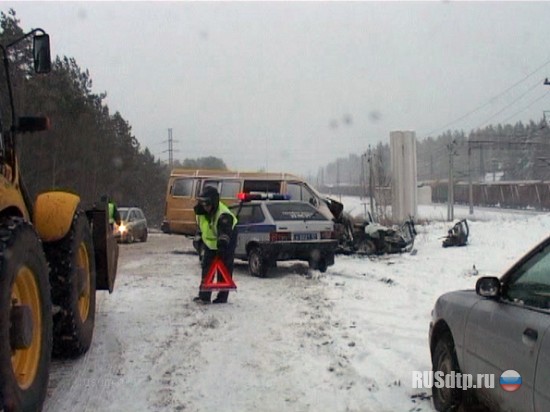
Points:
(18, 238)
(71, 337)
(445, 346)
(262, 271)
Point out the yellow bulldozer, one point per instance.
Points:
(54, 254)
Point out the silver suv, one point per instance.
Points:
(499, 332)
(133, 225)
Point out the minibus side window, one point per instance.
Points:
(182, 187)
(295, 191)
(198, 188)
(230, 188)
(269, 186)
(211, 183)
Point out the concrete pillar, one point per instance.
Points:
(404, 183)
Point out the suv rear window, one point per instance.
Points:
(248, 214)
(123, 212)
(294, 211)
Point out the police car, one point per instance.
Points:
(272, 228)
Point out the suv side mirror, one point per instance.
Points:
(488, 287)
(41, 53)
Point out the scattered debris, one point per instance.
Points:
(422, 396)
(458, 234)
(388, 281)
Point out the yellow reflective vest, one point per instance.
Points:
(111, 213)
(209, 228)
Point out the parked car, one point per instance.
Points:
(502, 326)
(133, 225)
(275, 230)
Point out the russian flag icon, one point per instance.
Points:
(510, 380)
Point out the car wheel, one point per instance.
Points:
(320, 264)
(444, 360)
(257, 265)
(130, 237)
(144, 236)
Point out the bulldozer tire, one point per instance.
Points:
(73, 280)
(25, 318)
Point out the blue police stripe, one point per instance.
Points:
(253, 228)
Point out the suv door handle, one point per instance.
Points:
(530, 336)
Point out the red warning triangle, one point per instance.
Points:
(211, 281)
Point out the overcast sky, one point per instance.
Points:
(291, 86)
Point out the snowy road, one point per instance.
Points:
(277, 346)
(154, 349)
(346, 340)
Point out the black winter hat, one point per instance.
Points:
(210, 195)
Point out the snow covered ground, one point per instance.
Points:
(345, 340)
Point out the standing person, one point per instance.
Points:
(114, 216)
(217, 227)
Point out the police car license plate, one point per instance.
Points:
(304, 236)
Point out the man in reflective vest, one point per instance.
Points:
(217, 226)
(114, 216)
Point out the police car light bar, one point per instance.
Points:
(247, 197)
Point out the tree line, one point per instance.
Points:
(502, 152)
(88, 149)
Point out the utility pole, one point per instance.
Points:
(338, 178)
(363, 180)
(371, 181)
(450, 194)
(470, 184)
(170, 149)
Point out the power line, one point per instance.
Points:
(512, 103)
(529, 105)
(490, 101)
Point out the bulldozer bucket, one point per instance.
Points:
(105, 247)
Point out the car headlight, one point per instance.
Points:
(122, 229)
